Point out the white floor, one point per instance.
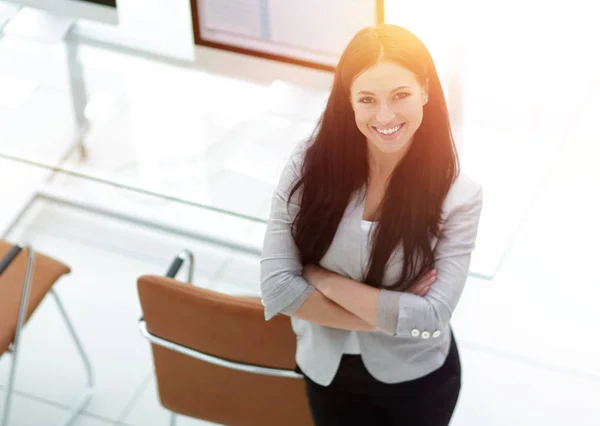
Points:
(528, 338)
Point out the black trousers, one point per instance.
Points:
(356, 398)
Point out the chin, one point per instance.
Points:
(390, 146)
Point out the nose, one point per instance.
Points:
(385, 115)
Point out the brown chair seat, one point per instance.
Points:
(230, 328)
(46, 272)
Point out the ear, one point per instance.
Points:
(425, 92)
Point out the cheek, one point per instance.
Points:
(362, 117)
(413, 112)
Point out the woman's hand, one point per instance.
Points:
(316, 276)
(420, 286)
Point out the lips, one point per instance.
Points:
(388, 132)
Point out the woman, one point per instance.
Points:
(370, 238)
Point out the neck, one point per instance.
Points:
(382, 165)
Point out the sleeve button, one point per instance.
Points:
(415, 332)
(436, 333)
(425, 335)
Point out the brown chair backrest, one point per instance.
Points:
(232, 328)
(46, 271)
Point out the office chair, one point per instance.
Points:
(216, 358)
(25, 279)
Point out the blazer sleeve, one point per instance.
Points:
(401, 312)
(283, 289)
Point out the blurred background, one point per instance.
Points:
(130, 130)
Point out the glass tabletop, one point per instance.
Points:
(235, 179)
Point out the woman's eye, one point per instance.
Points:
(401, 95)
(367, 100)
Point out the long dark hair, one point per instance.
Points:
(336, 163)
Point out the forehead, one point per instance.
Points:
(384, 77)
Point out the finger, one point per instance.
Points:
(424, 285)
(425, 273)
(425, 279)
(417, 289)
(424, 291)
(419, 286)
(428, 280)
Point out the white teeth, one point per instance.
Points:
(388, 131)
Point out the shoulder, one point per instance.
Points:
(291, 168)
(464, 193)
(295, 160)
(299, 151)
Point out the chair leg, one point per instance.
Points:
(87, 394)
(15, 344)
(10, 388)
(173, 419)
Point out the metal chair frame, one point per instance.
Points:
(15, 346)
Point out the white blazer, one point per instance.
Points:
(413, 337)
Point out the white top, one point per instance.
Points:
(352, 347)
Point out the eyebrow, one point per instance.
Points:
(364, 92)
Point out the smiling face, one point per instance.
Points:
(388, 101)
